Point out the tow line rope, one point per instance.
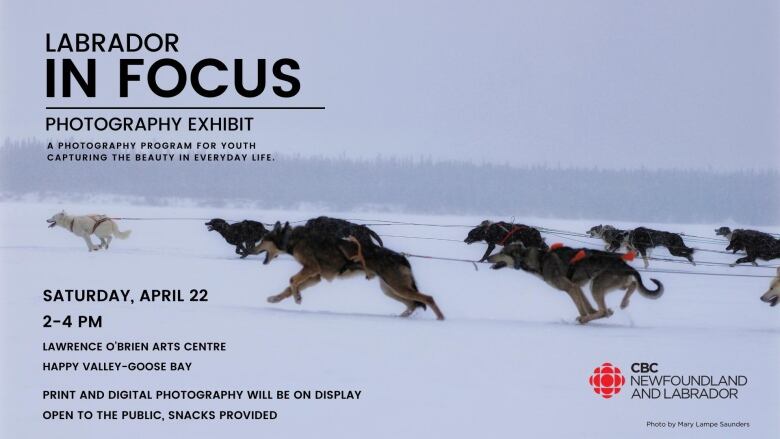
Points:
(474, 263)
(555, 232)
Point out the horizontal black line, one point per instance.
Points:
(185, 108)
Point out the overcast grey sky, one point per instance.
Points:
(599, 83)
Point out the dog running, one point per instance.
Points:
(503, 233)
(395, 275)
(87, 225)
(612, 237)
(772, 294)
(757, 245)
(568, 269)
(324, 253)
(643, 239)
(244, 234)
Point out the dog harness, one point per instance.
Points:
(98, 219)
(510, 233)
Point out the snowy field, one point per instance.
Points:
(509, 361)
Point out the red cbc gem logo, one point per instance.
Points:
(607, 380)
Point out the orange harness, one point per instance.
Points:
(510, 233)
(580, 255)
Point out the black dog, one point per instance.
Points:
(757, 245)
(244, 235)
(642, 239)
(503, 233)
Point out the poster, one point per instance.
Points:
(389, 219)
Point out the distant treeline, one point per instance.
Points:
(424, 186)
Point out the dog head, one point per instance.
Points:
(518, 257)
(477, 233)
(596, 231)
(773, 293)
(56, 219)
(599, 231)
(275, 241)
(216, 224)
(723, 231)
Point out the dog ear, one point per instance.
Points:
(484, 223)
(277, 226)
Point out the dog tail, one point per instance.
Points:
(650, 294)
(121, 235)
(375, 236)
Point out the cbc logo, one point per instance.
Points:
(607, 380)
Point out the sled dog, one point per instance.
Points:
(243, 234)
(642, 239)
(772, 294)
(503, 233)
(613, 238)
(568, 269)
(395, 274)
(322, 255)
(87, 225)
(757, 245)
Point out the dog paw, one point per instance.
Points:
(624, 304)
(609, 312)
(298, 300)
(273, 299)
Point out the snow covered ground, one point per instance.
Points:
(509, 361)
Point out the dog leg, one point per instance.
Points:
(410, 304)
(748, 258)
(281, 296)
(629, 291)
(584, 308)
(92, 247)
(643, 252)
(575, 293)
(299, 279)
(289, 292)
(416, 296)
(599, 288)
(248, 247)
(108, 241)
(489, 250)
(577, 296)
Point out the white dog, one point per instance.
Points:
(87, 225)
(773, 293)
